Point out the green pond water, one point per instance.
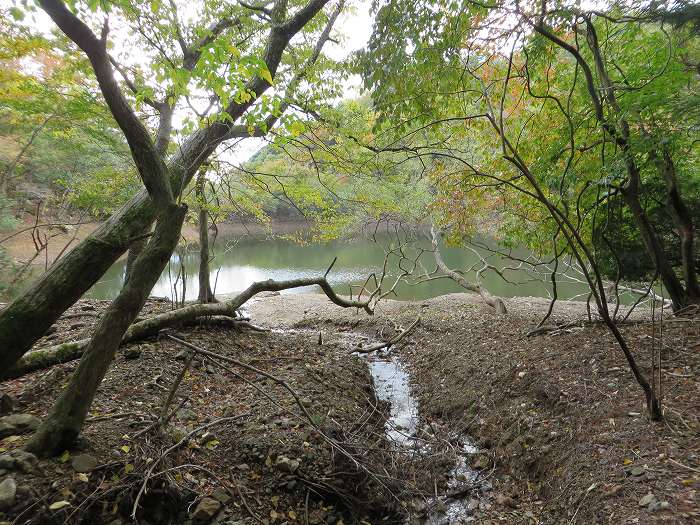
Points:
(238, 263)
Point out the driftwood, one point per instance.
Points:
(494, 302)
(45, 358)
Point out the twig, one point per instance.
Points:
(176, 446)
(390, 342)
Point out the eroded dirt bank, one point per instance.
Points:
(558, 421)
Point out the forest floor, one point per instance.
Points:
(557, 418)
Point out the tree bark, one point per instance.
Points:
(494, 302)
(205, 293)
(61, 427)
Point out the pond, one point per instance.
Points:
(239, 262)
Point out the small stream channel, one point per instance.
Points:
(392, 384)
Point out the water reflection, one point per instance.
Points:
(236, 266)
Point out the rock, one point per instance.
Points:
(284, 464)
(177, 433)
(243, 467)
(18, 460)
(637, 471)
(18, 424)
(181, 355)
(186, 414)
(206, 510)
(8, 491)
(7, 404)
(647, 500)
(221, 496)
(83, 463)
(132, 353)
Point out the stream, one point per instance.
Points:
(392, 384)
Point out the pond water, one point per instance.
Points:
(239, 262)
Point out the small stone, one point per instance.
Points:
(177, 433)
(132, 353)
(305, 401)
(18, 460)
(181, 355)
(243, 467)
(637, 471)
(206, 510)
(221, 496)
(647, 500)
(83, 463)
(7, 404)
(8, 492)
(186, 414)
(285, 464)
(18, 424)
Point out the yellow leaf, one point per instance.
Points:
(126, 449)
(627, 461)
(59, 505)
(292, 515)
(83, 477)
(265, 74)
(128, 468)
(64, 457)
(688, 482)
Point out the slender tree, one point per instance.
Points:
(191, 59)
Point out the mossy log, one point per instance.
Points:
(47, 357)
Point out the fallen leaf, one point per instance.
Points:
(59, 505)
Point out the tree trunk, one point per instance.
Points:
(655, 248)
(134, 251)
(205, 293)
(683, 222)
(494, 302)
(61, 427)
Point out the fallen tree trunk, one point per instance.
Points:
(494, 302)
(65, 352)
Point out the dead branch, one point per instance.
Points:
(495, 302)
(390, 342)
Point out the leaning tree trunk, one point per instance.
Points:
(61, 427)
(656, 249)
(28, 317)
(205, 293)
(683, 220)
(65, 352)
